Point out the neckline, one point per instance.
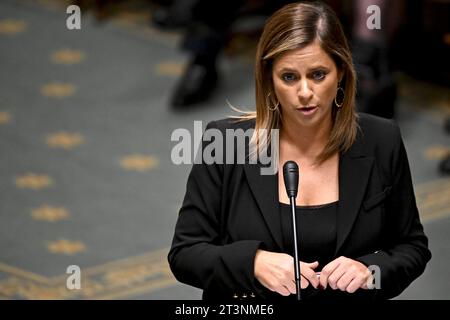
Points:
(314, 206)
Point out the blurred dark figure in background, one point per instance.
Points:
(205, 37)
(173, 13)
(208, 26)
(99, 7)
(377, 90)
(426, 42)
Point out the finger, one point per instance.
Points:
(307, 270)
(304, 283)
(334, 277)
(354, 285)
(293, 286)
(327, 271)
(290, 285)
(289, 281)
(312, 265)
(364, 285)
(282, 290)
(368, 282)
(311, 276)
(345, 280)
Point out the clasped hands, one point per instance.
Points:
(275, 271)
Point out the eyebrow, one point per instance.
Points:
(314, 68)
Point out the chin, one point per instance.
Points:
(317, 119)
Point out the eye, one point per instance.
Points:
(288, 77)
(318, 75)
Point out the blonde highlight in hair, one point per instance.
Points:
(292, 27)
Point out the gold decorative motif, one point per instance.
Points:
(65, 246)
(132, 18)
(437, 152)
(64, 140)
(433, 199)
(67, 56)
(118, 279)
(139, 162)
(128, 276)
(5, 117)
(14, 287)
(50, 214)
(33, 181)
(12, 26)
(172, 69)
(58, 90)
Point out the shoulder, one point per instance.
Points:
(231, 123)
(378, 133)
(381, 139)
(228, 136)
(377, 126)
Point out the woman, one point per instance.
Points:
(356, 205)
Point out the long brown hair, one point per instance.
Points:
(295, 26)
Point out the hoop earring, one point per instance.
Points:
(339, 105)
(271, 108)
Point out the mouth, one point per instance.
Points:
(308, 110)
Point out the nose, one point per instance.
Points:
(305, 92)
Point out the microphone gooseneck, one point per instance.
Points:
(290, 175)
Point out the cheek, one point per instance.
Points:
(283, 93)
(327, 92)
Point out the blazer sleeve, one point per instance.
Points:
(405, 251)
(197, 256)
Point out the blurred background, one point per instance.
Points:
(86, 117)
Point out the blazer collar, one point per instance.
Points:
(354, 170)
(265, 191)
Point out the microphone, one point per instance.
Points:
(290, 175)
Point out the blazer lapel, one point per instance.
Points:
(265, 191)
(354, 172)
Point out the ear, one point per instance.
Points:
(340, 74)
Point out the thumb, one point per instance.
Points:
(313, 265)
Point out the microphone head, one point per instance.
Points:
(290, 175)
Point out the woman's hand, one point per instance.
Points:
(275, 271)
(345, 274)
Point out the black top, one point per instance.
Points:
(316, 232)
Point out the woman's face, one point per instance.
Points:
(305, 82)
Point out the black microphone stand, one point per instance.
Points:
(296, 260)
(290, 173)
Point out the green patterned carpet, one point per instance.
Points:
(85, 171)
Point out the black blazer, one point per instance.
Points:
(229, 211)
